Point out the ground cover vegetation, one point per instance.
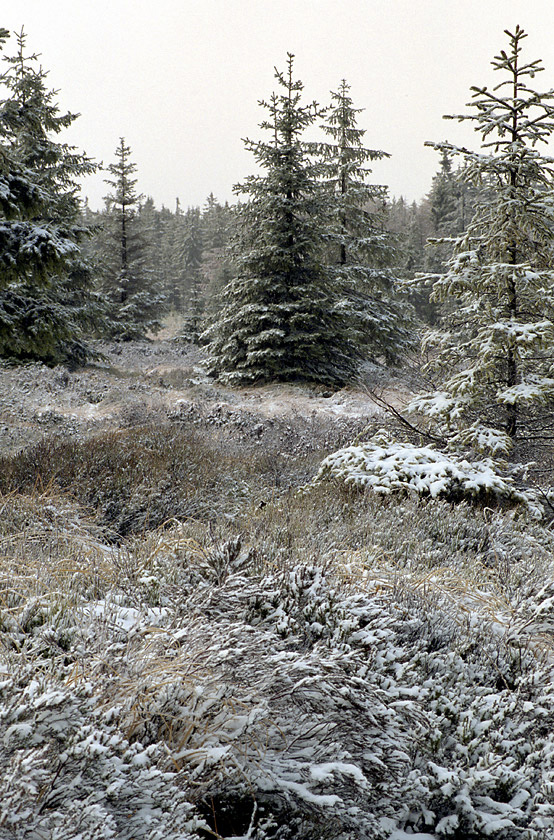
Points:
(244, 594)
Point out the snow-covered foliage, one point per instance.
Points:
(181, 686)
(133, 293)
(46, 301)
(494, 362)
(384, 466)
(280, 319)
(360, 249)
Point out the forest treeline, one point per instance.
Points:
(315, 269)
(71, 273)
(184, 253)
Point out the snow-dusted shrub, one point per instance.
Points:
(67, 770)
(361, 696)
(386, 466)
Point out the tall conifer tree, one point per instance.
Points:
(190, 258)
(136, 300)
(46, 302)
(361, 247)
(218, 222)
(279, 320)
(495, 361)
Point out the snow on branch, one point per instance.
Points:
(386, 466)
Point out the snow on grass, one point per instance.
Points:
(345, 669)
(287, 699)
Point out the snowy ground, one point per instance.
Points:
(197, 642)
(139, 382)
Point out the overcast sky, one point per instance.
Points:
(181, 79)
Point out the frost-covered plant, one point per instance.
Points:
(495, 359)
(385, 466)
(360, 248)
(133, 294)
(279, 319)
(46, 300)
(360, 696)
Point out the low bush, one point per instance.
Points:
(138, 478)
(386, 466)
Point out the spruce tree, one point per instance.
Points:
(162, 257)
(435, 217)
(406, 223)
(149, 231)
(451, 205)
(218, 221)
(215, 224)
(443, 197)
(279, 320)
(136, 299)
(46, 301)
(190, 259)
(495, 361)
(173, 233)
(361, 246)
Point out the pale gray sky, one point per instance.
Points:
(180, 79)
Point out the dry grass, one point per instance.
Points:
(136, 479)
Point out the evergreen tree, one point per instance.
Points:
(280, 320)
(190, 258)
(215, 224)
(451, 204)
(218, 222)
(46, 302)
(412, 227)
(362, 248)
(436, 216)
(443, 198)
(172, 232)
(135, 296)
(164, 252)
(496, 358)
(150, 234)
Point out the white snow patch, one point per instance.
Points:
(322, 772)
(125, 618)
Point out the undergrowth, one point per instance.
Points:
(137, 478)
(251, 660)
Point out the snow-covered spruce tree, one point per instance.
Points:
(46, 300)
(173, 231)
(443, 204)
(153, 230)
(361, 247)
(410, 227)
(495, 361)
(190, 260)
(279, 320)
(218, 223)
(135, 299)
(443, 211)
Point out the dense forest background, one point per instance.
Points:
(120, 270)
(184, 254)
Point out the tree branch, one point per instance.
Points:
(390, 409)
